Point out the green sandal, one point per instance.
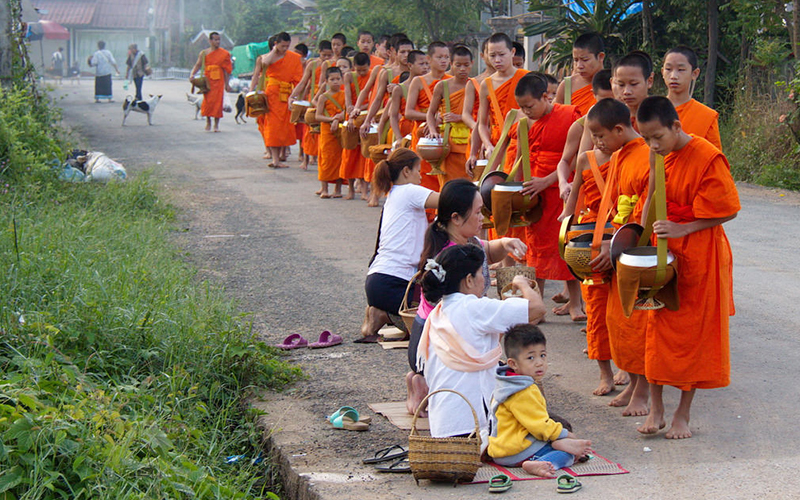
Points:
(347, 420)
(343, 409)
(567, 484)
(500, 483)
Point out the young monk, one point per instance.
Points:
(588, 54)
(689, 348)
(454, 100)
(419, 100)
(552, 86)
(330, 112)
(353, 162)
(519, 56)
(589, 165)
(680, 73)
(338, 42)
(546, 138)
(217, 68)
(382, 47)
(283, 69)
(472, 103)
(366, 42)
(300, 128)
(308, 87)
(400, 126)
(631, 80)
(612, 131)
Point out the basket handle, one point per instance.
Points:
(416, 413)
(413, 280)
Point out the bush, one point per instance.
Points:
(122, 376)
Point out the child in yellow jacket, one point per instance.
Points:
(521, 430)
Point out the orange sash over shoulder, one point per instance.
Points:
(330, 151)
(584, 99)
(501, 101)
(700, 120)
(217, 63)
(282, 76)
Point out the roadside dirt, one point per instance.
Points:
(297, 263)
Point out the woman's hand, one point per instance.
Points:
(515, 248)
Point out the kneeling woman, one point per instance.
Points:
(400, 237)
(460, 343)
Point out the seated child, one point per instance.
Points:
(521, 430)
(460, 343)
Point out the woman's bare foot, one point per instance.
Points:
(417, 390)
(541, 469)
(653, 424)
(622, 378)
(573, 446)
(374, 319)
(679, 428)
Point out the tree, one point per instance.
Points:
(713, 47)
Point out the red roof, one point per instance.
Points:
(115, 14)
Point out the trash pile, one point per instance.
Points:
(90, 166)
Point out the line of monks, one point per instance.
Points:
(591, 142)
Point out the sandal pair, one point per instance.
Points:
(500, 483)
(296, 341)
(567, 484)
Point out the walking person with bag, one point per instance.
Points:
(138, 68)
(103, 62)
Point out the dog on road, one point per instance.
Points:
(195, 100)
(147, 106)
(240, 108)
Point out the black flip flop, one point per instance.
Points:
(391, 453)
(369, 339)
(401, 466)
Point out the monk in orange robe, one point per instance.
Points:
(546, 138)
(307, 90)
(472, 101)
(680, 72)
(609, 123)
(447, 106)
(352, 167)
(689, 348)
(419, 97)
(283, 69)
(217, 65)
(331, 112)
(366, 42)
(588, 55)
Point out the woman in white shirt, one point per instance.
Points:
(400, 237)
(460, 344)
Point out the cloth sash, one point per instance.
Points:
(628, 279)
(455, 352)
(214, 72)
(625, 206)
(285, 89)
(680, 213)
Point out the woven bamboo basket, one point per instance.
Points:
(450, 459)
(509, 287)
(506, 274)
(409, 312)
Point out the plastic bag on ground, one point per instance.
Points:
(101, 168)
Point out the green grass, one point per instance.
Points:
(121, 376)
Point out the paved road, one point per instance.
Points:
(298, 264)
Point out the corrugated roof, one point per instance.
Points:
(303, 4)
(115, 14)
(67, 12)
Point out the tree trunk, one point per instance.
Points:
(6, 51)
(648, 36)
(713, 47)
(795, 27)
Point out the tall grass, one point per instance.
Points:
(121, 376)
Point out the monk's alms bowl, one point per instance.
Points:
(431, 150)
(578, 255)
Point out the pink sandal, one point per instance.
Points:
(326, 339)
(293, 341)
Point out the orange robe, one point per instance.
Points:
(375, 61)
(423, 103)
(330, 151)
(457, 158)
(353, 163)
(505, 100)
(689, 348)
(282, 76)
(546, 139)
(369, 165)
(627, 335)
(697, 118)
(217, 63)
(583, 99)
(595, 296)
(311, 140)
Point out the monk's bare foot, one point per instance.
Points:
(653, 424)
(541, 469)
(623, 398)
(318, 192)
(216, 129)
(561, 310)
(349, 196)
(267, 156)
(336, 195)
(606, 386)
(208, 127)
(373, 202)
(560, 298)
(325, 196)
(586, 351)
(577, 314)
(417, 390)
(281, 165)
(622, 378)
(637, 407)
(304, 165)
(679, 428)
(573, 446)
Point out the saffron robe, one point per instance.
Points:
(505, 100)
(330, 151)
(311, 140)
(454, 164)
(627, 335)
(423, 103)
(689, 348)
(375, 61)
(353, 163)
(700, 120)
(546, 139)
(217, 63)
(584, 99)
(282, 76)
(595, 296)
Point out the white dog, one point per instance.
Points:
(144, 106)
(195, 100)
